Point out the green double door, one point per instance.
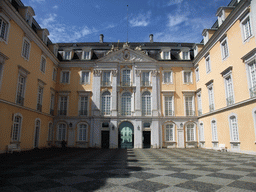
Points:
(126, 135)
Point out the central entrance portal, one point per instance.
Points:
(126, 135)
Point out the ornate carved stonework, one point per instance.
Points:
(114, 73)
(155, 73)
(138, 72)
(97, 73)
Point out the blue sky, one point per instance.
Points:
(84, 20)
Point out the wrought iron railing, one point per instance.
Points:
(190, 112)
(199, 111)
(62, 112)
(230, 100)
(146, 83)
(126, 84)
(253, 91)
(211, 107)
(169, 113)
(20, 100)
(39, 107)
(83, 112)
(105, 83)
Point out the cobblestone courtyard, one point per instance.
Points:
(128, 170)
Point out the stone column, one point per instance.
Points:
(137, 94)
(155, 109)
(96, 93)
(114, 93)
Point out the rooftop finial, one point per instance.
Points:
(127, 25)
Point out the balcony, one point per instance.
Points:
(52, 112)
(211, 107)
(126, 84)
(105, 113)
(230, 100)
(39, 107)
(105, 83)
(145, 83)
(83, 112)
(126, 113)
(253, 91)
(169, 113)
(20, 100)
(62, 112)
(199, 112)
(190, 112)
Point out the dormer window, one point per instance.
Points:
(205, 35)
(185, 55)
(166, 54)
(28, 17)
(86, 55)
(67, 55)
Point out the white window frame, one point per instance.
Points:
(86, 80)
(84, 139)
(19, 128)
(126, 77)
(104, 81)
(146, 103)
(170, 77)
(85, 109)
(251, 75)
(208, 64)
(6, 29)
(211, 97)
(50, 132)
(214, 130)
(169, 135)
(58, 136)
(169, 95)
(254, 120)
(201, 132)
(3, 58)
(193, 135)
(52, 101)
(184, 55)
(106, 103)
(54, 74)
(67, 55)
(192, 111)
(43, 64)
(25, 53)
(40, 97)
(197, 74)
(39, 127)
(230, 95)
(61, 107)
(125, 110)
(22, 73)
(232, 137)
(166, 54)
(246, 19)
(61, 76)
(199, 103)
(190, 80)
(224, 49)
(85, 56)
(143, 78)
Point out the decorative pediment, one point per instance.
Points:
(127, 55)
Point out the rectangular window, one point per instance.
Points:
(63, 104)
(26, 49)
(39, 99)
(168, 105)
(208, 64)
(67, 55)
(199, 104)
(54, 74)
(83, 105)
(85, 77)
(189, 105)
(64, 77)
(166, 55)
(185, 55)
(3, 29)
(52, 104)
(126, 78)
(106, 81)
(252, 78)
(224, 48)
(21, 89)
(187, 77)
(246, 28)
(1, 74)
(16, 128)
(145, 79)
(167, 77)
(211, 99)
(43, 64)
(197, 74)
(214, 131)
(229, 90)
(86, 55)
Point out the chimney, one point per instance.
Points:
(151, 38)
(101, 38)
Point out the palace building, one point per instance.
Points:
(128, 94)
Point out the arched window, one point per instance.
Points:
(146, 103)
(233, 128)
(126, 104)
(105, 103)
(16, 128)
(50, 133)
(82, 132)
(201, 132)
(190, 132)
(37, 131)
(169, 132)
(61, 132)
(214, 131)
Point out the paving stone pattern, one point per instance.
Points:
(111, 170)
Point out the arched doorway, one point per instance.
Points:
(126, 135)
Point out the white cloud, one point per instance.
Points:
(174, 2)
(55, 7)
(141, 20)
(63, 32)
(174, 20)
(38, 1)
